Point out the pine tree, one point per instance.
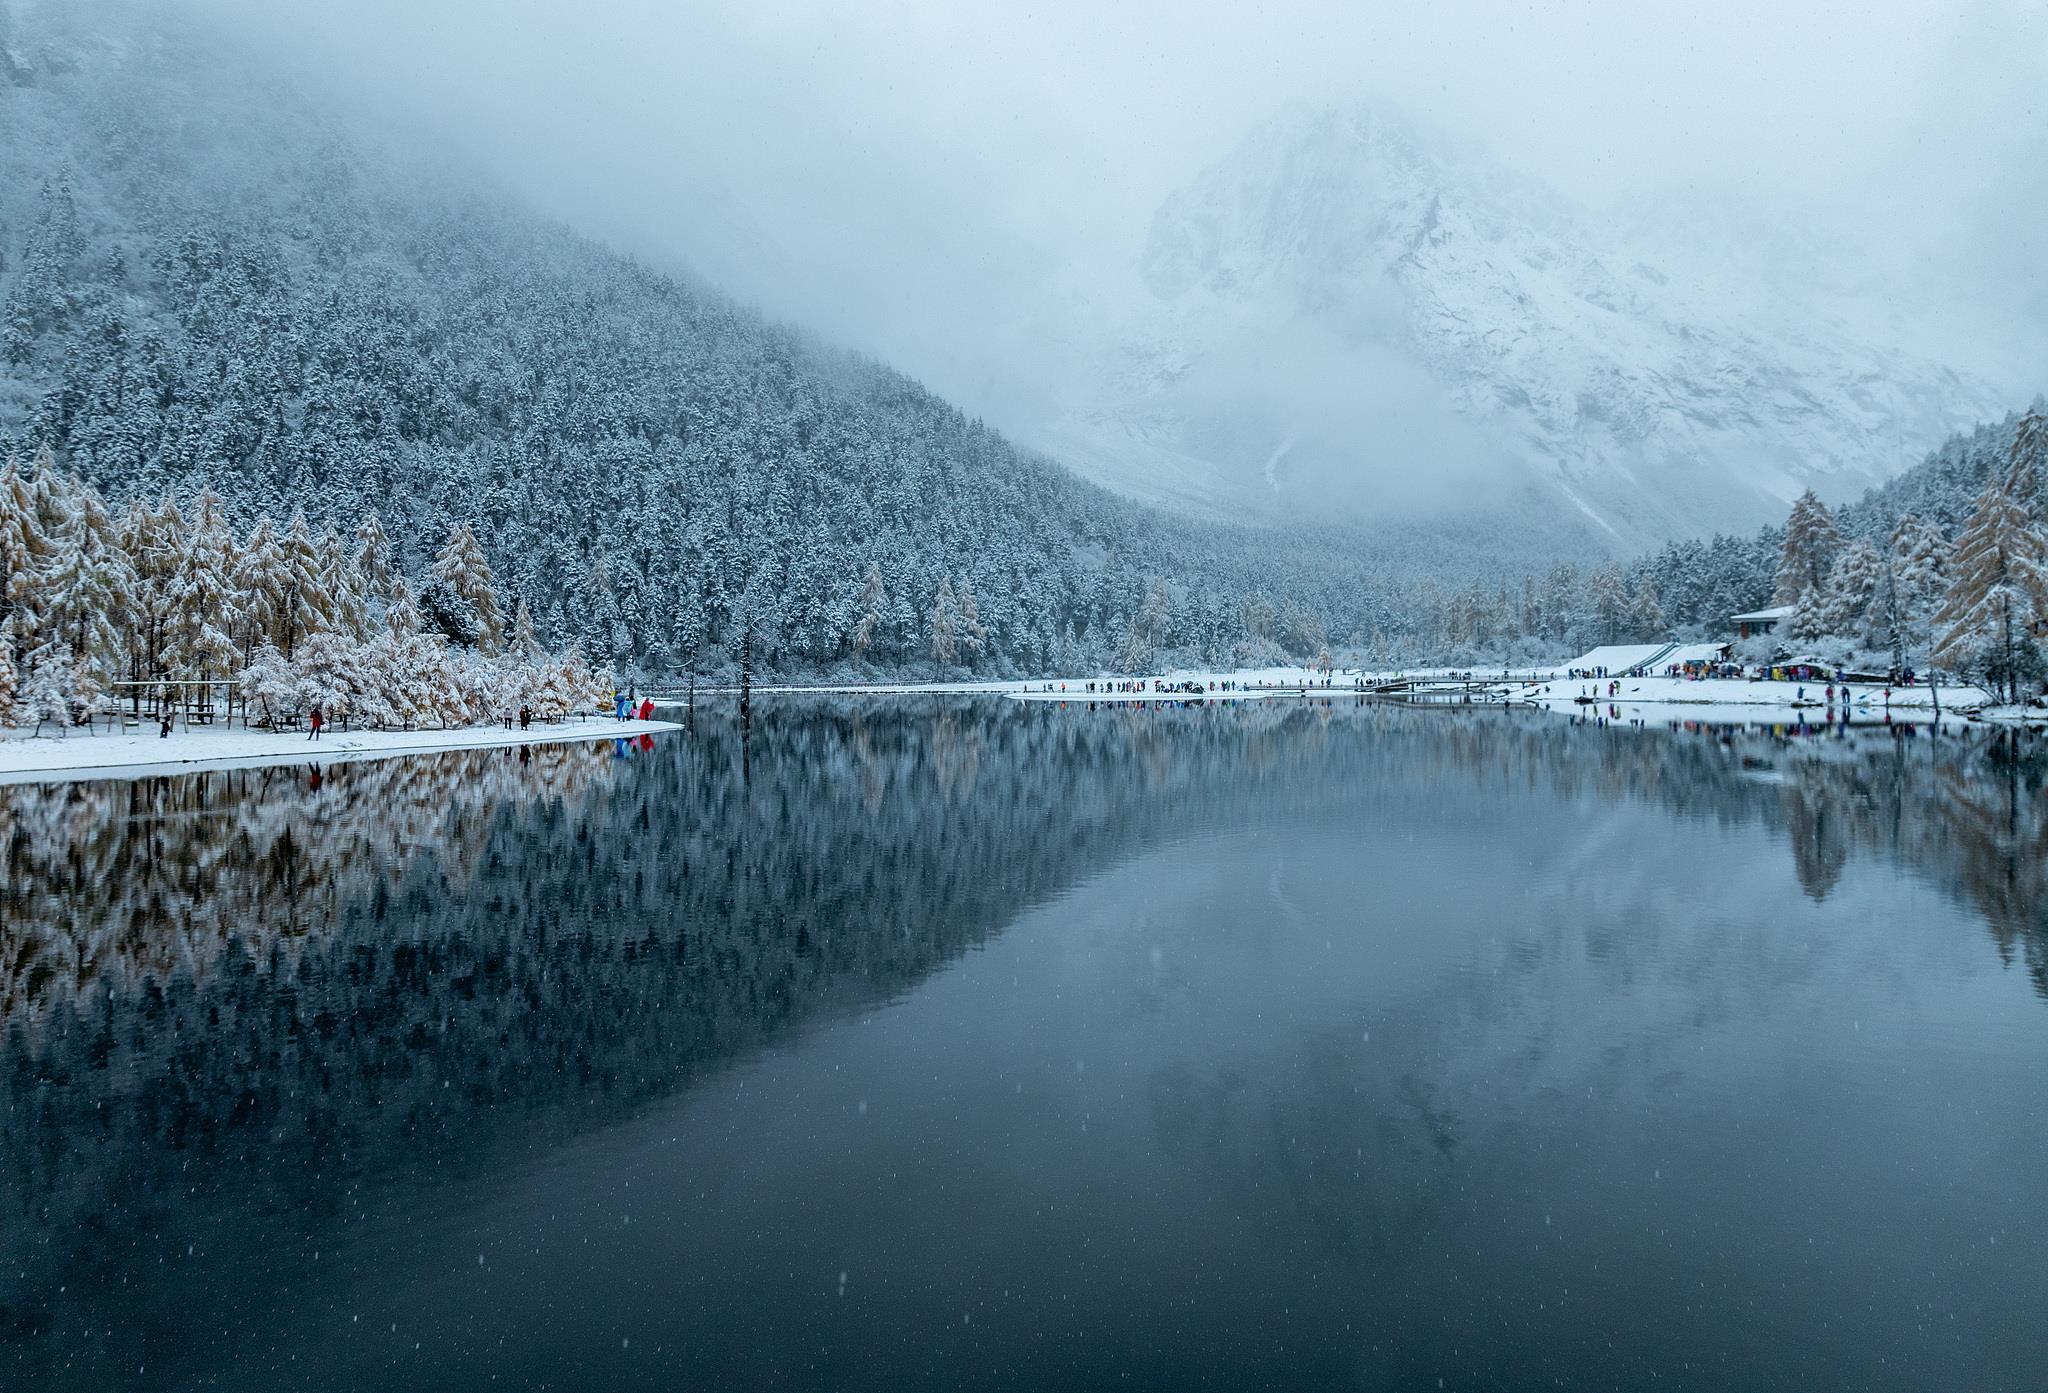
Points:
(1997, 600)
(48, 693)
(402, 617)
(524, 646)
(86, 586)
(600, 610)
(9, 707)
(873, 601)
(260, 583)
(1849, 607)
(1147, 627)
(945, 637)
(373, 560)
(24, 557)
(205, 596)
(151, 538)
(1647, 609)
(1920, 559)
(347, 611)
(1808, 554)
(1613, 613)
(462, 568)
(304, 606)
(973, 637)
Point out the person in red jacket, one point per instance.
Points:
(647, 708)
(319, 718)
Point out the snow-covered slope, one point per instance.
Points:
(1344, 308)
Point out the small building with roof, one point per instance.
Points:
(1761, 621)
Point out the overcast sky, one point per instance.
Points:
(910, 176)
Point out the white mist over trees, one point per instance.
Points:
(263, 308)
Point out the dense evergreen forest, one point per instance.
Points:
(1923, 568)
(206, 282)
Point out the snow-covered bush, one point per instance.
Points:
(47, 694)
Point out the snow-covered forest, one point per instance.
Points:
(211, 287)
(1947, 564)
(207, 283)
(127, 610)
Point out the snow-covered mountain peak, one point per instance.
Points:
(1346, 300)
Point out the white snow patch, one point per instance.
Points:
(138, 754)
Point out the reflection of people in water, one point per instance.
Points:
(313, 779)
(646, 743)
(525, 755)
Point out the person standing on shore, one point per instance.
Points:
(317, 719)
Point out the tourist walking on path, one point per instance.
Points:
(318, 719)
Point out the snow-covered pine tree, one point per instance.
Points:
(524, 646)
(1849, 607)
(347, 611)
(973, 637)
(1808, 553)
(9, 684)
(304, 606)
(873, 602)
(271, 685)
(84, 594)
(461, 567)
(1647, 609)
(260, 584)
(402, 618)
(373, 560)
(204, 595)
(24, 555)
(151, 538)
(1613, 614)
(599, 610)
(1145, 630)
(1997, 601)
(332, 674)
(1919, 556)
(47, 694)
(944, 631)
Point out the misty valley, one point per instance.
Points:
(841, 695)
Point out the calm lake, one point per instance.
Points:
(962, 1043)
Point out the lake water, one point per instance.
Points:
(934, 1043)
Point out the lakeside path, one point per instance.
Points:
(1730, 691)
(142, 753)
(1542, 686)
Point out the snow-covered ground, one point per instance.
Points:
(1542, 684)
(137, 753)
(1247, 679)
(1738, 692)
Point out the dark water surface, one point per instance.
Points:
(966, 1044)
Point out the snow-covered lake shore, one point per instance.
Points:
(1543, 686)
(1714, 691)
(141, 753)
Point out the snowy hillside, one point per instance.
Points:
(1347, 307)
(208, 279)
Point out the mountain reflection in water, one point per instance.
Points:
(240, 1006)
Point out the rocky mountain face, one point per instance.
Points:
(1347, 310)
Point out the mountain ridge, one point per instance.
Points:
(1418, 277)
